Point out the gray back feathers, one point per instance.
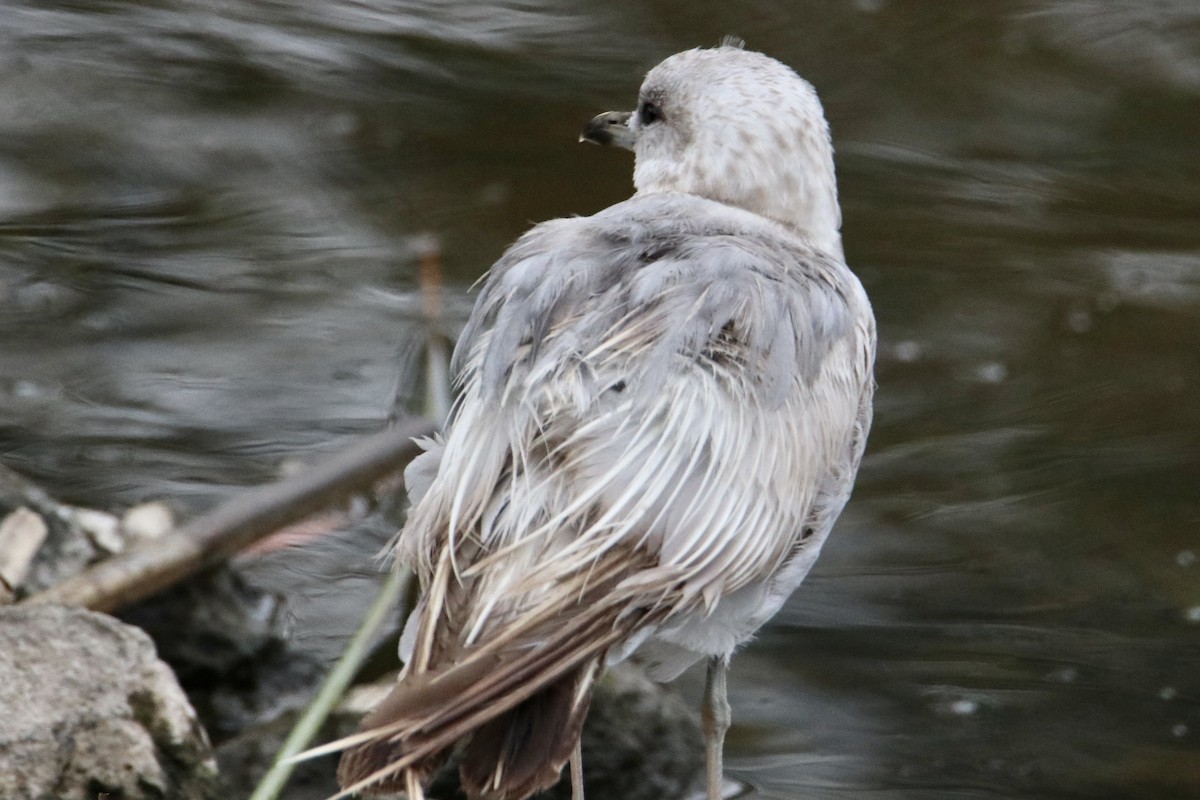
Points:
(667, 279)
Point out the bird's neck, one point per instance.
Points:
(802, 197)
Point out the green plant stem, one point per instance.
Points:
(343, 673)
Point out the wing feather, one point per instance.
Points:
(724, 334)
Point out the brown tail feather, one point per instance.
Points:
(551, 652)
(418, 697)
(523, 751)
(362, 761)
(469, 695)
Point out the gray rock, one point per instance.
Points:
(86, 708)
(640, 741)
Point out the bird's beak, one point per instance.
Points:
(611, 127)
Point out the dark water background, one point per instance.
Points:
(209, 220)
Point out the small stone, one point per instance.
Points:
(148, 521)
(21, 534)
(102, 528)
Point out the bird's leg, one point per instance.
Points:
(413, 785)
(577, 770)
(715, 714)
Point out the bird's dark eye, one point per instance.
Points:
(649, 113)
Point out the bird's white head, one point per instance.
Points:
(738, 127)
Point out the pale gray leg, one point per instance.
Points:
(577, 770)
(415, 792)
(715, 714)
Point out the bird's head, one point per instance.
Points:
(734, 126)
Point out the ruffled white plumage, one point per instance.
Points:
(713, 454)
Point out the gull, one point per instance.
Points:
(661, 411)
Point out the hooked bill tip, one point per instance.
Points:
(609, 128)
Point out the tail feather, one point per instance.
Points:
(415, 727)
(523, 751)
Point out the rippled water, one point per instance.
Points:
(210, 214)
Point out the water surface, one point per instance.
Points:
(210, 215)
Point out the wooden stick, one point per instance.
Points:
(146, 569)
(437, 348)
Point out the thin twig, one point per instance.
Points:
(437, 349)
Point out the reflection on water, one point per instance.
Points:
(209, 218)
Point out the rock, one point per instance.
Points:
(66, 549)
(148, 521)
(21, 534)
(86, 708)
(641, 741)
(228, 644)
